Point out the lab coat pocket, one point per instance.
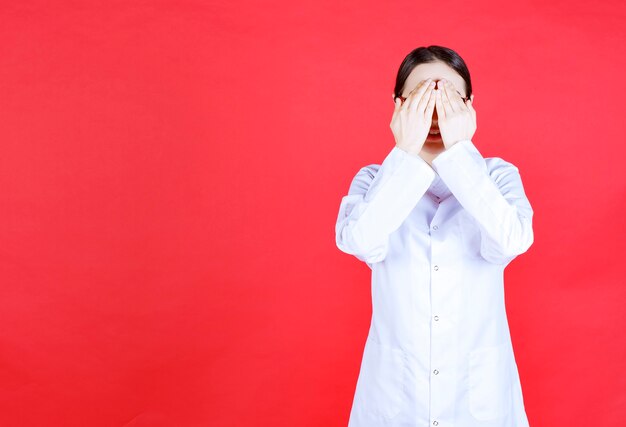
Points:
(382, 379)
(489, 383)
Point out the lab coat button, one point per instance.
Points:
(436, 267)
(435, 372)
(436, 318)
(435, 227)
(435, 423)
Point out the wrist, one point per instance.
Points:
(411, 150)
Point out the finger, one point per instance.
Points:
(447, 97)
(441, 113)
(411, 95)
(457, 99)
(405, 103)
(430, 107)
(417, 95)
(445, 102)
(416, 88)
(423, 102)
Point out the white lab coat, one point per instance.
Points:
(437, 240)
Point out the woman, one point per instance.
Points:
(437, 224)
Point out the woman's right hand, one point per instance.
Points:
(412, 119)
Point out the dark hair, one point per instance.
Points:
(428, 54)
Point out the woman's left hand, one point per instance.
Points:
(456, 119)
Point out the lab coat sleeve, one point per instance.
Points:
(379, 199)
(495, 198)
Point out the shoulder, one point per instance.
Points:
(498, 163)
(369, 170)
(363, 178)
(499, 168)
(505, 174)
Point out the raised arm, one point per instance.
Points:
(378, 201)
(495, 198)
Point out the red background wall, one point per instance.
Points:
(170, 176)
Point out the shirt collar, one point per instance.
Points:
(438, 189)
